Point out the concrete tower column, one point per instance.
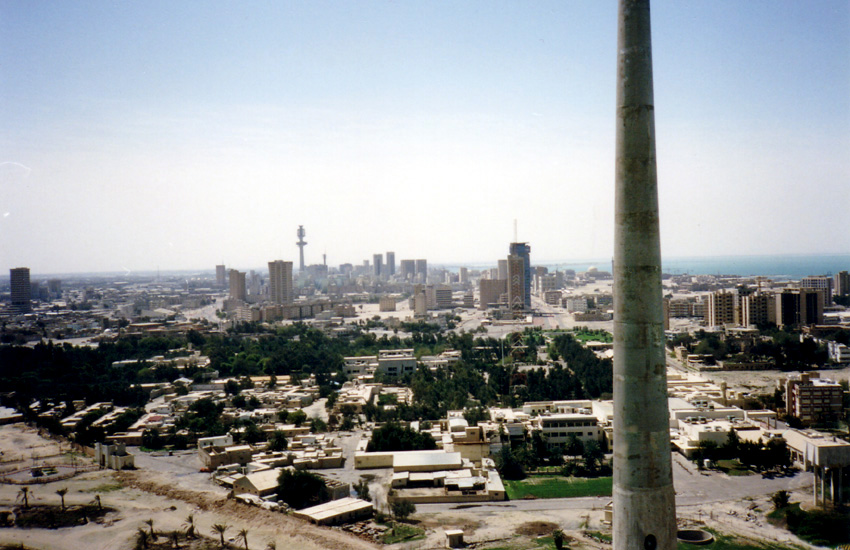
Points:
(644, 505)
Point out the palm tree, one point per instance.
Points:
(190, 526)
(62, 492)
(149, 522)
(175, 538)
(142, 538)
(271, 545)
(220, 528)
(243, 534)
(96, 501)
(25, 495)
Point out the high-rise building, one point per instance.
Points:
(796, 306)
(377, 264)
(758, 309)
(54, 287)
(407, 269)
(822, 283)
(422, 270)
(19, 277)
(523, 250)
(390, 264)
(463, 275)
(220, 275)
(280, 282)
(503, 270)
(237, 285)
(516, 283)
(841, 284)
(721, 309)
(490, 290)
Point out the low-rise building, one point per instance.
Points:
(336, 512)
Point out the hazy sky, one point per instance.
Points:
(184, 134)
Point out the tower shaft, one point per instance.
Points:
(644, 505)
(301, 244)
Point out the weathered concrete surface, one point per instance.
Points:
(644, 507)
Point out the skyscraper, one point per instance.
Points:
(19, 277)
(220, 275)
(390, 264)
(503, 270)
(408, 269)
(378, 263)
(280, 282)
(523, 250)
(237, 285)
(516, 283)
(422, 270)
(842, 283)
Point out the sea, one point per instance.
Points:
(777, 267)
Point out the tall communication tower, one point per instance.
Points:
(301, 243)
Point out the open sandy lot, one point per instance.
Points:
(141, 495)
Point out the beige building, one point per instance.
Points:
(280, 282)
(809, 398)
(722, 309)
(758, 309)
(490, 291)
(386, 303)
(336, 512)
(237, 286)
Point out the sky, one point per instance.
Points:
(180, 135)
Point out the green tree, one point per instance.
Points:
(362, 489)
(403, 509)
(298, 417)
(392, 436)
(593, 455)
(278, 441)
(301, 489)
(558, 538)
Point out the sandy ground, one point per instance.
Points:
(765, 381)
(168, 496)
(141, 495)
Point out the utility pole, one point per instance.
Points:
(644, 501)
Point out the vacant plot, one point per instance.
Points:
(558, 487)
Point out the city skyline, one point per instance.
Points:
(144, 136)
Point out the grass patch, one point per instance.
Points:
(733, 468)
(402, 532)
(558, 487)
(593, 335)
(819, 527)
(104, 488)
(54, 517)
